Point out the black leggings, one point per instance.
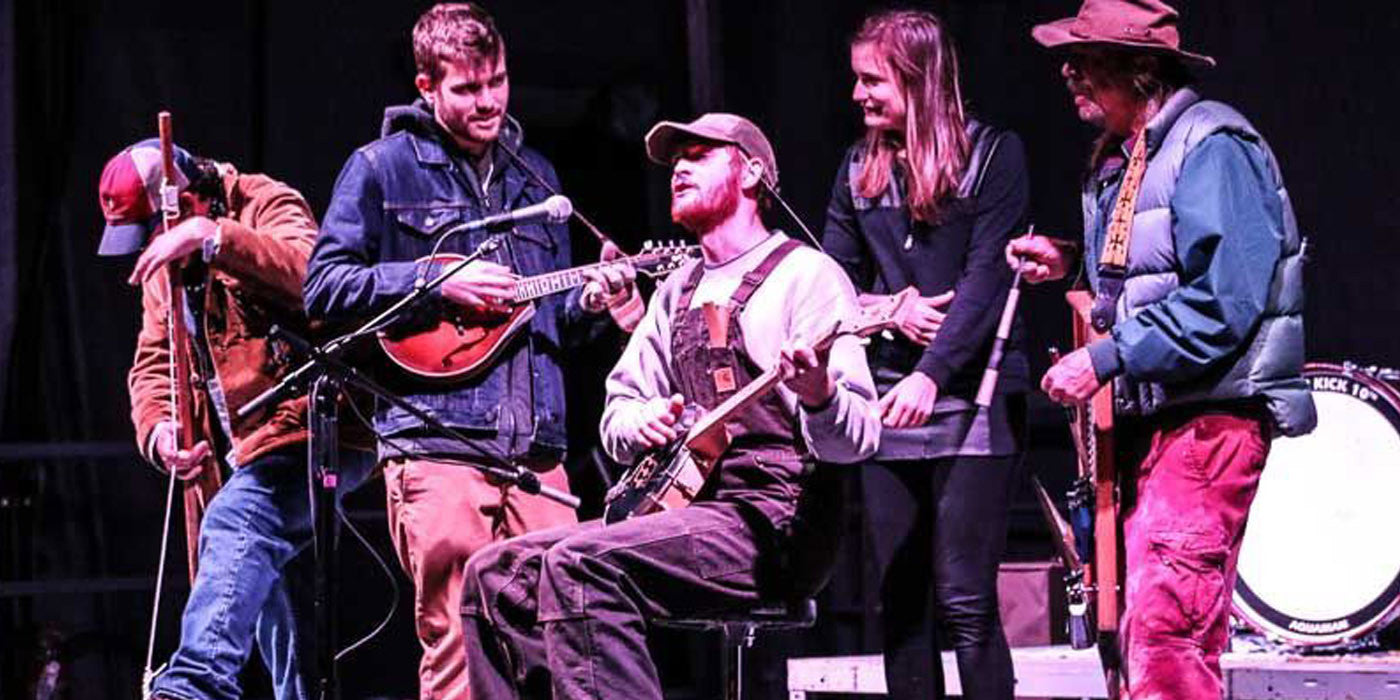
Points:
(938, 531)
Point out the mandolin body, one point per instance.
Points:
(459, 346)
(464, 342)
(663, 480)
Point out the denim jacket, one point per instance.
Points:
(391, 199)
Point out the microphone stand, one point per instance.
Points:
(328, 376)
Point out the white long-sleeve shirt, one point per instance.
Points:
(804, 296)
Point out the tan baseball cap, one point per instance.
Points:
(666, 138)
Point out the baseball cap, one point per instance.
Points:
(129, 193)
(666, 138)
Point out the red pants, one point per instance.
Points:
(1184, 518)
(440, 513)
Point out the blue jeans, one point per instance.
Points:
(254, 526)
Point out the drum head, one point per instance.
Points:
(1319, 564)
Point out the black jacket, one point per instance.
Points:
(963, 251)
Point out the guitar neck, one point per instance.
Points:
(726, 409)
(653, 261)
(749, 393)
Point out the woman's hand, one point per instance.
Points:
(925, 317)
(909, 403)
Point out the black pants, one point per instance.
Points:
(938, 530)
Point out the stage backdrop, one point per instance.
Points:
(291, 89)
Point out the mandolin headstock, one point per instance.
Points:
(874, 316)
(661, 258)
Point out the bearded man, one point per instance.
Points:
(1192, 250)
(564, 611)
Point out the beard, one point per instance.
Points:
(1089, 111)
(467, 130)
(1082, 93)
(702, 211)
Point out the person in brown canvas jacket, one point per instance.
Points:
(241, 245)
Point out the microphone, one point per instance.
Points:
(555, 210)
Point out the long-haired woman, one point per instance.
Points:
(928, 198)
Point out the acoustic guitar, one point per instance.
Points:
(462, 341)
(672, 476)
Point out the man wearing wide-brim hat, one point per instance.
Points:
(1197, 280)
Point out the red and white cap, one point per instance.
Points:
(129, 193)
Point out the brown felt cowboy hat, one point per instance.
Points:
(1147, 25)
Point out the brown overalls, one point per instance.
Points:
(568, 609)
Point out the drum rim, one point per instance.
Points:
(1271, 622)
(1380, 611)
(1359, 374)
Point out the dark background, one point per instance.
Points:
(290, 88)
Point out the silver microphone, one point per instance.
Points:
(555, 210)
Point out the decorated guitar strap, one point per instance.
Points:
(1113, 262)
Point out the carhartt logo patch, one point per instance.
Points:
(724, 380)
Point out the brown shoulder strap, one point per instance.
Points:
(755, 277)
(688, 287)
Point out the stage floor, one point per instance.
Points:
(1061, 672)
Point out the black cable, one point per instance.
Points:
(388, 573)
(515, 158)
(773, 191)
(397, 590)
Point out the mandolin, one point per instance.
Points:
(462, 342)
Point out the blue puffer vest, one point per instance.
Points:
(1270, 364)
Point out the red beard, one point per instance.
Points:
(704, 212)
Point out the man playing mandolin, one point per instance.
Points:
(567, 608)
(452, 157)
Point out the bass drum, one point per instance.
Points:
(1320, 562)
